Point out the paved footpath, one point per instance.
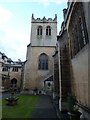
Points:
(44, 109)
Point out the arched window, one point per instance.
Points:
(43, 62)
(82, 34)
(39, 30)
(14, 82)
(48, 30)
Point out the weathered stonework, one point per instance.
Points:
(64, 69)
(10, 75)
(79, 62)
(9, 70)
(33, 77)
(77, 25)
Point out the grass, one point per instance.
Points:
(0, 108)
(23, 109)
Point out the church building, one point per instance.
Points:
(39, 63)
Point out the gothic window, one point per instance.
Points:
(82, 34)
(15, 69)
(79, 36)
(76, 40)
(14, 83)
(48, 30)
(5, 68)
(43, 62)
(39, 30)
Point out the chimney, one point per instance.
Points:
(32, 16)
(64, 13)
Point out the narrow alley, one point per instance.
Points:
(45, 109)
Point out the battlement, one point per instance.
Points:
(44, 19)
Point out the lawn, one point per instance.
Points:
(23, 109)
(0, 108)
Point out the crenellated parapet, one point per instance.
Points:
(44, 19)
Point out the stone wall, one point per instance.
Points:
(33, 77)
(78, 34)
(12, 74)
(56, 88)
(79, 52)
(64, 69)
(80, 76)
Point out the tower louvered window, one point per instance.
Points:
(39, 30)
(48, 30)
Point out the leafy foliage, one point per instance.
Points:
(71, 100)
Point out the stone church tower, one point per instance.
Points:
(39, 62)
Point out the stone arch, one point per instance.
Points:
(14, 83)
(48, 30)
(43, 62)
(39, 30)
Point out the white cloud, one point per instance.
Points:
(12, 42)
(47, 2)
(5, 16)
(44, 2)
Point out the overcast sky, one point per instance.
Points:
(15, 23)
